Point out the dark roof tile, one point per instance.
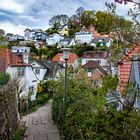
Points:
(94, 65)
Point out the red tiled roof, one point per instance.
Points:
(94, 65)
(95, 54)
(125, 66)
(130, 53)
(8, 58)
(72, 57)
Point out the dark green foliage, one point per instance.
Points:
(73, 31)
(80, 49)
(109, 83)
(18, 134)
(34, 50)
(88, 18)
(43, 95)
(4, 78)
(42, 98)
(106, 22)
(51, 31)
(13, 43)
(89, 117)
(33, 105)
(80, 107)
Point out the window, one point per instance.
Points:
(37, 71)
(94, 82)
(99, 61)
(88, 54)
(21, 71)
(31, 89)
(101, 44)
(97, 53)
(89, 72)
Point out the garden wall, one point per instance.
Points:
(9, 116)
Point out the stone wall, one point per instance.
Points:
(9, 116)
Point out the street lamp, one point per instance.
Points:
(66, 52)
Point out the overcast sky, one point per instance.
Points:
(17, 15)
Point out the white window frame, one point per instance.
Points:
(21, 71)
(31, 89)
(37, 71)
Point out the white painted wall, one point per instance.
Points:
(103, 62)
(84, 37)
(20, 49)
(53, 39)
(42, 72)
(29, 79)
(72, 42)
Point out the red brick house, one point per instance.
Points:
(94, 72)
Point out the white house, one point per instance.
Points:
(54, 38)
(63, 30)
(66, 42)
(17, 67)
(55, 70)
(83, 37)
(29, 77)
(28, 34)
(49, 70)
(15, 37)
(40, 68)
(101, 41)
(102, 57)
(35, 34)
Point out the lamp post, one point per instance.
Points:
(65, 57)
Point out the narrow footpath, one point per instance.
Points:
(40, 125)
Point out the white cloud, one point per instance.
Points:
(12, 28)
(36, 14)
(11, 5)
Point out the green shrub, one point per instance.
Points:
(4, 78)
(32, 106)
(81, 101)
(86, 116)
(18, 134)
(42, 98)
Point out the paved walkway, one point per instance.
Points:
(40, 125)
